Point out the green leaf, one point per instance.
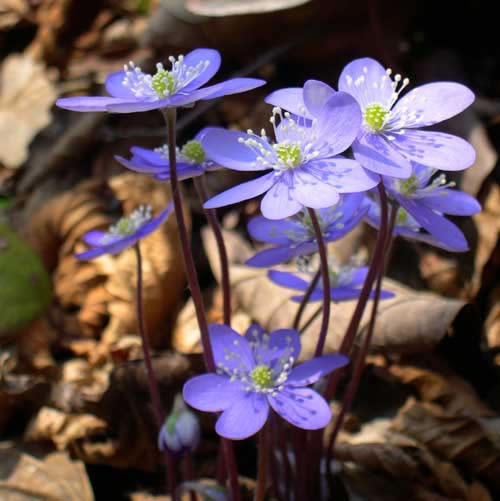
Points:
(25, 287)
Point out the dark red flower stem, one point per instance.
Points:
(325, 278)
(361, 358)
(170, 116)
(158, 410)
(305, 299)
(211, 215)
(262, 464)
(377, 258)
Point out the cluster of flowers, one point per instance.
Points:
(303, 169)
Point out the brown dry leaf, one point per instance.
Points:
(97, 298)
(64, 430)
(11, 12)
(443, 387)
(409, 322)
(26, 96)
(410, 464)
(55, 477)
(61, 22)
(488, 225)
(492, 323)
(222, 8)
(186, 335)
(16, 387)
(457, 439)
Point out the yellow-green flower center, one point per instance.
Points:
(408, 186)
(401, 216)
(289, 154)
(262, 376)
(125, 226)
(163, 83)
(194, 152)
(374, 116)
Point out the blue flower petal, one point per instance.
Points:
(339, 122)
(246, 416)
(196, 56)
(367, 81)
(223, 146)
(309, 372)
(287, 279)
(276, 232)
(243, 191)
(231, 351)
(316, 94)
(302, 407)
(114, 86)
(211, 392)
(88, 103)
(435, 102)
(375, 153)
(435, 149)
(457, 203)
(278, 202)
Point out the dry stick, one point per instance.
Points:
(263, 464)
(211, 215)
(305, 299)
(361, 359)
(352, 329)
(325, 278)
(159, 412)
(192, 278)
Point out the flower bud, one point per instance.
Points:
(181, 430)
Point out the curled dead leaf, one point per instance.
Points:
(222, 8)
(96, 298)
(455, 438)
(26, 96)
(54, 477)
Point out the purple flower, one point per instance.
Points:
(306, 170)
(389, 138)
(256, 371)
(423, 202)
(295, 236)
(181, 431)
(133, 90)
(125, 233)
(191, 160)
(345, 281)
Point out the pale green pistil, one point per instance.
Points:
(262, 376)
(289, 154)
(374, 116)
(163, 83)
(194, 152)
(125, 227)
(408, 186)
(401, 216)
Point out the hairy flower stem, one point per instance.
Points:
(263, 466)
(192, 278)
(191, 275)
(325, 277)
(377, 258)
(305, 299)
(158, 410)
(211, 215)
